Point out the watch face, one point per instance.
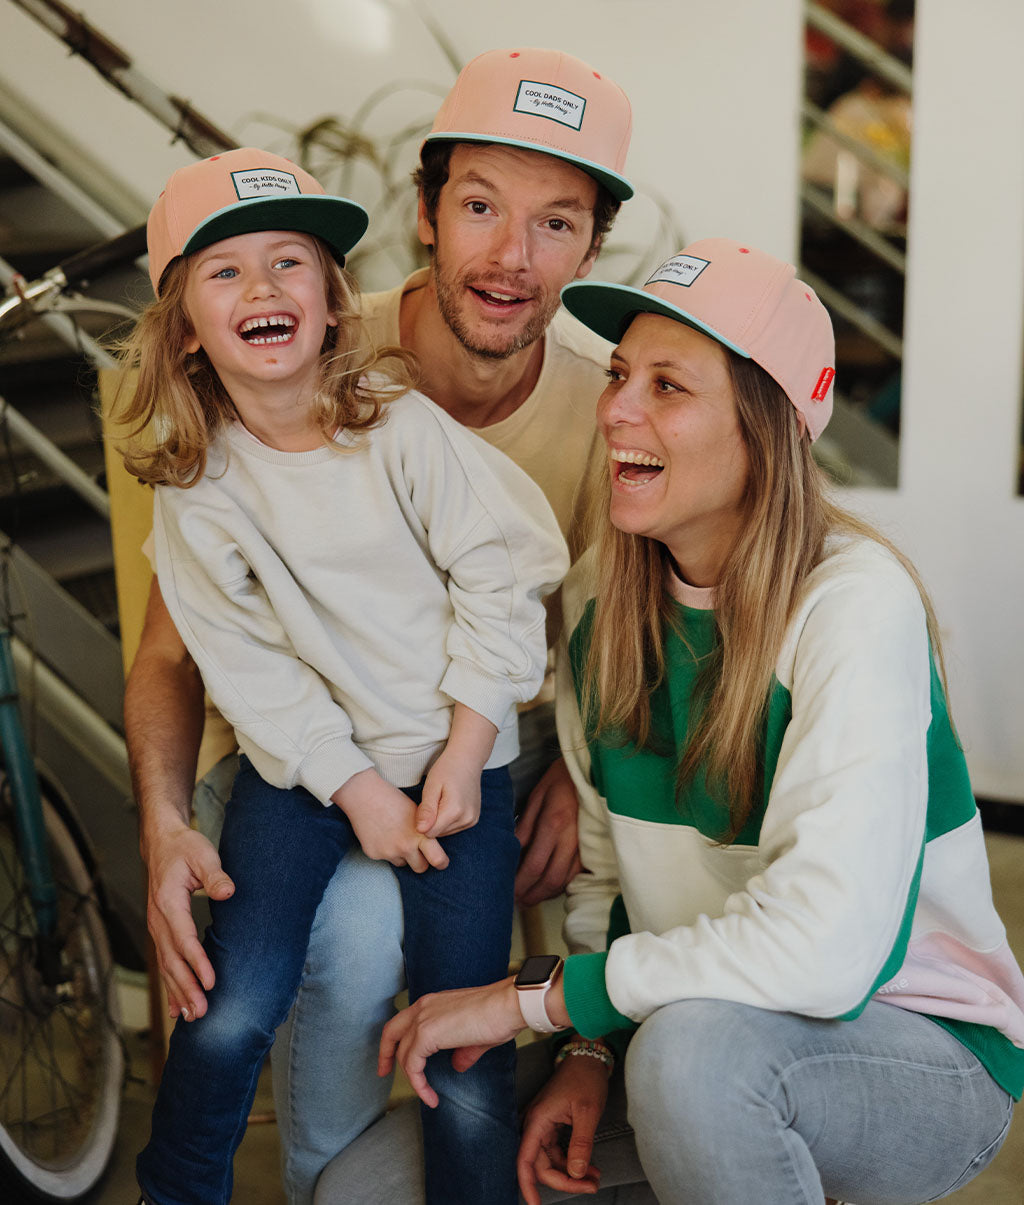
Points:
(537, 969)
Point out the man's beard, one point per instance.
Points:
(500, 346)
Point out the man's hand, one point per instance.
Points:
(574, 1097)
(549, 836)
(384, 821)
(180, 861)
(467, 1021)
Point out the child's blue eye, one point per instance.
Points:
(287, 262)
(225, 274)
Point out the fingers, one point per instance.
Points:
(548, 863)
(397, 1041)
(431, 849)
(181, 959)
(430, 805)
(465, 1057)
(527, 822)
(577, 1157)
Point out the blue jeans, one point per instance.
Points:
(353, 973)
(384, 1165)
(281, 848)
(732, 1103)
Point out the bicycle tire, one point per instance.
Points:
(61, 1056)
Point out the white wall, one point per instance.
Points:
(956, 511)
(715, 128)
(715, 86)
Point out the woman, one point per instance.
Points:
(786, 885)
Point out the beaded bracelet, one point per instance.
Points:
(590, 1049)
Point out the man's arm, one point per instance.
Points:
(163, 707)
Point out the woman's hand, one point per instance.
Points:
(468, 1021)
(575, 1097)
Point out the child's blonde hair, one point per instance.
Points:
(178, 404)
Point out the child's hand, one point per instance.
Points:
(451, 792)
(384, 820)
(451, 796)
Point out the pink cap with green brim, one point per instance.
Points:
(242, 192)
(542, 100)
(745, 299)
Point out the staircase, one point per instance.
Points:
(53, 506)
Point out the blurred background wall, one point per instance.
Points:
(715, 86)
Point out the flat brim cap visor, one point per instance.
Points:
(242, 192)
(746, 300)
(546, 101)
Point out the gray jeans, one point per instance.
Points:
(384, 1166)
(736, 1104)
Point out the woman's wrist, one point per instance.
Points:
(589, 1048)
(554, 1003)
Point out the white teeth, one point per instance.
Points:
(251, 324)
(644, 459)
(500, 296)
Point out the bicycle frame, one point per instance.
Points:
(26, 804)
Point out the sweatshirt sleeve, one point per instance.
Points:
(490, 529)
(591, 894)
(212, 563)
(826, 920)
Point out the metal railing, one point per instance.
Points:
(879, 443)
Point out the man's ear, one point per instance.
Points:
(425, 231)
(588, 263)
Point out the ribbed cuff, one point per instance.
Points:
(490, 697)
(590, 1009)
(330, 766)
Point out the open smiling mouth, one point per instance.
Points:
(497, 297)
(273, 328)
(634, 467)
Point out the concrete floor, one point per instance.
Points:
(256, 1165)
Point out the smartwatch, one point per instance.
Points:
(536, 977)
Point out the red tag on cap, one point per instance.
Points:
(824, 381)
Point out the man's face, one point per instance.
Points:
(512, 227)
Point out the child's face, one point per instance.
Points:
(257, 306)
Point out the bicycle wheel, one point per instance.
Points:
(61, 1058)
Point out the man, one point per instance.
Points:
(520, 178)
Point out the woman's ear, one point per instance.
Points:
(192, 344)
(332, 319)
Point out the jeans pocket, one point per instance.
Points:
(980, 1161)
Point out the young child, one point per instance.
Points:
(358, 579)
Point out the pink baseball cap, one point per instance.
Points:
(241, 192)
(542, 100)
(747, 300)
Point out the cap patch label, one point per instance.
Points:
(264, 182)
(546, 100)
(824, 381)
(679, 270)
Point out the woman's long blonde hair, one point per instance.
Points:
(178, 404)
(788, 517)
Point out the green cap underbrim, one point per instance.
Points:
(617, 185)
(607, 309)
(340, 223)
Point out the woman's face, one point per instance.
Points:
(678, 463)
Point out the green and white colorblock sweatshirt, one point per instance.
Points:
(861, 873)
